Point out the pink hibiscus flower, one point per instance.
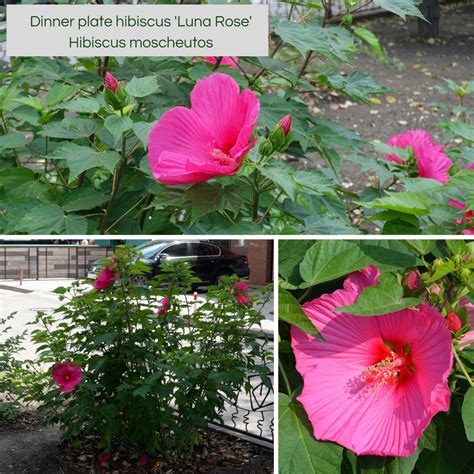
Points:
(230, 61)
(412, 280)
(468, 215)
(243, 299)
(210, 139)
(67, 376)
(240, 287)
(376, 382)
(144, 460)
(165, 306)
(430, 158)
(104, 279)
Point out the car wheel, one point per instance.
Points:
(140, 280)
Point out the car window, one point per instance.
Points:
(177, 250)
(149, 251)
(204, 250)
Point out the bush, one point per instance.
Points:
(153, 362)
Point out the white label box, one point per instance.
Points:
(137, 30)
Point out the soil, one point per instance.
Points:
(27, 447)
(417, 67)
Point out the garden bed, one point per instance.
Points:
(27, 447)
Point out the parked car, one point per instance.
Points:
(209, 261)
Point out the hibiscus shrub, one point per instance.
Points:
(376, 356)
(142, 367)
(201, 145)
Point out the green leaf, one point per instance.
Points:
(117, 125)
(69, 128)
(142, 130)
(33, 102)
(206, 198)
(386, 297)
(468, 414)
(461, 129)
(365, 35)
(442, 270)
(290, 310)
(82, 105)
(12, 140)
(327, 260)
(423, 247)
(298, 450)
(407, 202)
(58, 93)
(83, 199)
(389, 255)
(456, 247)
(333, 42)
(51, 219)
(291, 253)
(143, 86)
(401, 8)
(82, 158)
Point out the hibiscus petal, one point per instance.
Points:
(180, 134)
(227, 114)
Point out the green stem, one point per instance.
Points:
(125, 214)
(256, 196)
(461, 366)
(285, 377)
(267, 210)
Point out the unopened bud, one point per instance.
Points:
(265, 148)
(453, 321)
(412, 280)
(111, 82)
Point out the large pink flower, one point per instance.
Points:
(67, 376)
(430, 158)
(230, 61)
(210, 139)
(375, 383)
(104, 279)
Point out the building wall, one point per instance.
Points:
(260, 256)
(48, 262)
(72, 261)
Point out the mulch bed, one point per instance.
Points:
(218, 453)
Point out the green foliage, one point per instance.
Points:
(149, 380)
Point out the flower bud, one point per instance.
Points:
(111, 82)
(115, 94)
(285, 123)
(412, 280)
(453, 321)
(265, 148)
(438, 262)
(465, 274)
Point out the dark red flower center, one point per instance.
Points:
(394, 365)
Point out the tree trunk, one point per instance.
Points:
(430, 9)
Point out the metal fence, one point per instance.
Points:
(48, 261)
(251, 415)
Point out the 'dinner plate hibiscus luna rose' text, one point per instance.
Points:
(210, 139)
(374, 384)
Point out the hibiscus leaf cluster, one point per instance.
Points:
(376, 355)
